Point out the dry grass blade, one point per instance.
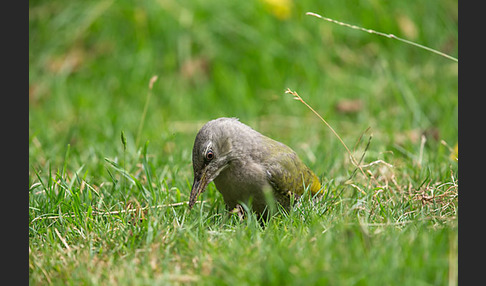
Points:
(131, 210)
(383, 35)
(62, 239)
(353, 160)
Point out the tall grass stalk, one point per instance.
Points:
(153, 79)
(383, 35)
(297, 97)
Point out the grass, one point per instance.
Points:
(107, 208)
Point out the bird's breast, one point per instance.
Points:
(242, 181)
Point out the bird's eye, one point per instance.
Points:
(209, 155)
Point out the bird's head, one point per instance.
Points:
(211, 154)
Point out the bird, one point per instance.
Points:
(247, 166)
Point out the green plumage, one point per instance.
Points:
(287, 174)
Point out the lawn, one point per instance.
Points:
(119, 89)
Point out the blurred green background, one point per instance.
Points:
(90, 63)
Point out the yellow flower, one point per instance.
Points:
(279, 8)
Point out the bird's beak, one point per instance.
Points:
(202, 179)
(198, 186)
